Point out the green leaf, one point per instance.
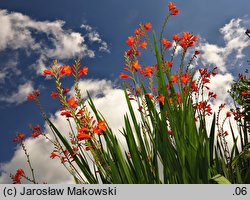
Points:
(82, 165)
(220, 179)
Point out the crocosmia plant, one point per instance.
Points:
(168, 139)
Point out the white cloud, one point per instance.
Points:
(94, 87)
(110, 101)
(9, 68)
(22, 32)
(44, 40)
(20, 95)
(45, 169)
(235, 42)
(220, 84)
(213, 55)
(95, 37)
(226, 58)
(111, 104)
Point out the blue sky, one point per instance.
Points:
(33, 33)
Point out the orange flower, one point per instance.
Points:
(195, 38)
(122, 75)
(66, 113)
(35, 134)
(175, 12)
(244, 93)
(83, 130)
(30, 97)
(174, 78)
(151, 96)
(226, 133)
(72, 102)
(197, 53)
(138, 90)
(183, 44)
(136, 65)
(169, 63)
(101, 127)
(175, 37)
(166, 43)
(20, 172)
(19, 137)
(138, 53)
(66, 70)
(171, 6)
(203, 71)
(186, 35)
(66, 90)
(160, 99)
(147, 26)
(53, 155)
(185, 78)
(83, 136)
(188, 40)
(242, 76)
(18, 176)
(170, 132)
(137, 32)
(48, 72)
(222, 106)
(143, 45)
(228, 114)
(130, 40)
(54, 94)
(147, 71)
(82, 71)
(171, 101)
(194, 86)
(130, 52)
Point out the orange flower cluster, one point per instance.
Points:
(65, 70)
(135, 42)
(85, 133)
(172, 9)
(64, 155)
(17, 177)
(33, 95)
(19, 137)
(36, 131)
(245, 93)
(166, 43)
(184, 78)
(147, 71)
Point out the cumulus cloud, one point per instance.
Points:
(22, 32)
(20, 95)
(108, 99)
(42, 41)
(94, 36)
(220, 84)
(45, 169)
(9, 68)
(235, 42)
(226, 57)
